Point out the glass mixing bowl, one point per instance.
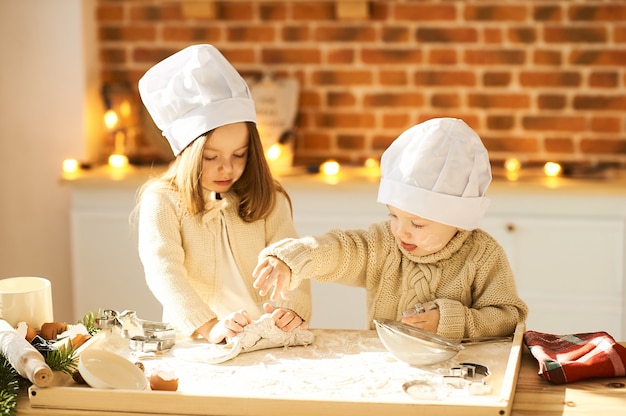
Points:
(413, 345)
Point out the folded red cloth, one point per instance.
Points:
(567, 358)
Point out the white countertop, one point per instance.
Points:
(362, 179)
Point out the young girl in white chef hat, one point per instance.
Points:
(429, 265)
(203, 222)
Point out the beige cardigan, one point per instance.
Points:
(470, 278)
(182, 258)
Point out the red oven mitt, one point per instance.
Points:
(567, 358)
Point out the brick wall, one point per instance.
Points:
(541, 80)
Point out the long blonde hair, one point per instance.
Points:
(255, 189)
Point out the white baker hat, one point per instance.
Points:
(438, 170)
(194, 91)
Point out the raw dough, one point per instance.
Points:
(260, 334)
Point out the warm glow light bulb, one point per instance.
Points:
(125, 109)
(110, 119)
(330, 168)
(552, 169)
(512, 165)
(118, 161)
(371, 163)
(273, 153)
(71, 166)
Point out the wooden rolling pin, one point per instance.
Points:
(25, 359)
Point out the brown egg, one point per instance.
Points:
(163, 380)
(50, 330)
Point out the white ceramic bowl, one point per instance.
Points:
(105, 370)
(413, 345)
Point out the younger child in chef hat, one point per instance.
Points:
(204, 220)
(438, 170)
(428, 265)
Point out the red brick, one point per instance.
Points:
(353, 77)
(496, 79)
(510, 144)
(494, 57)
(344, 34)
(551, 101)
(558, 34)
(273, 11)
(606, 124)
(510, 101)
(500, 122)
(445, 78)
(381, 143)
(291, 56)
(345, 120)
(603, 146)
(155, 13)
(555, 123)
(210, 34)
(396, 100)
(424, 12)
(250, 33)
(526, 35)
(351, 142)
(547, 57)
(389, 56)
(619, 34)
(498, 13)
(492, 35)
(598, 13)
(550, 79)
(441, 100)
(341, 56)
(113, 55)
(109, 13)
(559, 145)
(600, 102)
(598, 57)
(314, 141)
(395, 34)
(296, 34)
(341, 99)
(313, 11)
(395, 121)
(548, 13)
(604, 79)
(392, 77)
(443, 57)
(446, 35)
(234, 11)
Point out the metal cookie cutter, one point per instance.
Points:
(157, 336)
(470, 376)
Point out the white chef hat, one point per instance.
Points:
(194, 91)
(438, 170)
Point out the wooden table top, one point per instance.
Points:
(534, 396)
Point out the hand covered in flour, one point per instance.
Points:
(270, 271)
(284, 318)
(423, 316)
(229, 327)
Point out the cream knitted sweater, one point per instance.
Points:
(470, 278)
(182, 257)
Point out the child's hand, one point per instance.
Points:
(269, 272)
(230, 326)
(426, 318)
(285, 319)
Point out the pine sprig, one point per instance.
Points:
(9, 387)
(62, 359)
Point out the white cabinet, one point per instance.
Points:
(106, 270)
(566, 244)
(567, 254)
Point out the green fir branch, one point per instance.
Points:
(9, 387)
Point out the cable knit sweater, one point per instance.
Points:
(469, 279)
(181, 254)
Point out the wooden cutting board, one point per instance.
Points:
(342, 373)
